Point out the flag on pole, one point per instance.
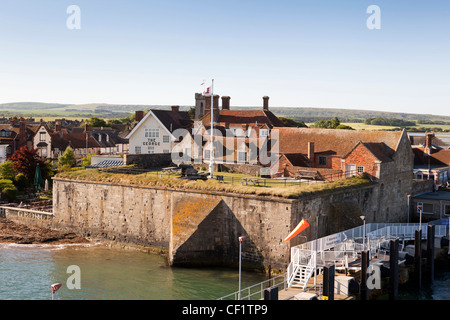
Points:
(55, 287)
(207, 91)
(299, 228)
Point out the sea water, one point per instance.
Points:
(28, 271)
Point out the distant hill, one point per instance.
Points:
(108, 111)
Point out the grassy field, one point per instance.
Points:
(363, 126)
(174, 182)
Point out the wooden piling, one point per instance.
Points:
(418, 257)
(328, 282)
(363, 290)
(393, 269)
(430, 252)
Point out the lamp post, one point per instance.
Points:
(363, 218)
(241, 239)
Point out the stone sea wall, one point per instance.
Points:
(202, 228)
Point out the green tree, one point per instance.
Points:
(7, 170)
(97, 122)
(87, 160)
(67, 159)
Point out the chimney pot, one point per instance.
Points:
(176, 108)
(225, 103)
(266, 103)
(428, 142)
(139, 115)
(311, 151)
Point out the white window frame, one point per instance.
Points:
(264, 132)
(166, 139)
(151, 149)
(445, 209)
(151, 133)
(207, 154)
(137, 150)
(242, 155)
(360, 169)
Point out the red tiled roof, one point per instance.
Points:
(438, 157)
(295, 140)
(245, 117)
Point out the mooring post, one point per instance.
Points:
(364, 292)
(328, 282)
(418, 257)
(430, 252)
(393, 269)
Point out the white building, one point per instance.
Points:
(155, 132)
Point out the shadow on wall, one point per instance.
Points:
(215, 242)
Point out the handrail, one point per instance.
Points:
(247, 294)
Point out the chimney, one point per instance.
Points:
(58, 126)
(139, 115)
(216, 102)
(225, 103)
(176, 108)
(22, 126)
(266, 103)
(428, 140)
(311, 151)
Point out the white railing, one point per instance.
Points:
(256, 292)
(346, 245)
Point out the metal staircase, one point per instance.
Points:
(302, 276)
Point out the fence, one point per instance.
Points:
(233, 179)
(256, 292)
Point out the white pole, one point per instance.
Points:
(240, 267)
(211, 152)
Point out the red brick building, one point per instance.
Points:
(333, 151)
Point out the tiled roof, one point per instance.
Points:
(438, 157)
(245, 117)
(295, 140)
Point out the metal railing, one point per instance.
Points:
(346, 245)
(256, 292)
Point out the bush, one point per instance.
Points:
(8, 190)
(67, 158)
(7, 171)
(21, 182)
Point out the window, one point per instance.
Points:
(152, 133)
(242, 156)
(137, 150)
(322, 161)
(41, 136)
(166, 139)
(165, 151)
(42, 151)
(360, 169)
(207, 154)
(151, 149)
(426, 207)
(264, 132)
(447, 210)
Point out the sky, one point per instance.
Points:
(302, 53)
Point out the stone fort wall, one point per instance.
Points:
(202, 228)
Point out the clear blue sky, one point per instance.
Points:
(301, 53)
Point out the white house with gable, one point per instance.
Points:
(154, 133)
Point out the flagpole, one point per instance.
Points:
(211, 153)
